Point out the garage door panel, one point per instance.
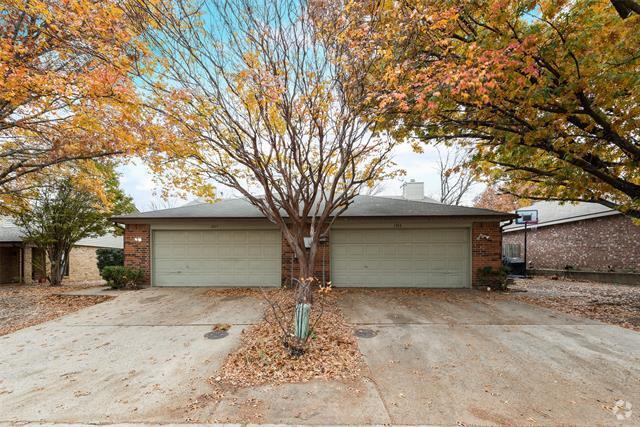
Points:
(404, 258)
(255, 251)
(165, 252)
(404, 251)
(197, 251)
(166, 237)
(374, 252)
(194, 237)
(216, 258)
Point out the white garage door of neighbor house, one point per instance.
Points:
(429, 258)
(216, 258)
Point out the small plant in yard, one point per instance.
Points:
(109, 256)
(294, 317)
(120, 277)
(495, 279)
(270, 353)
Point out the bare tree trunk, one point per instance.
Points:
(295, 234)
(58, 260)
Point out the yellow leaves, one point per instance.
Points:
(251, 60)
(275, 119)
(550, 8)
(417, 146)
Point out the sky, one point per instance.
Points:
(137, 181)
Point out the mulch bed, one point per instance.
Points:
(332, 352)
(22, 306)
(614, 304)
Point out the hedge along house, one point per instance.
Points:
(408, 241)
(24, 263)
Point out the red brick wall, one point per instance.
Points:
(486, 247)
(290, 267)
(138, 254)
(592, 244)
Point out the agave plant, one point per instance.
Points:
(294, 315)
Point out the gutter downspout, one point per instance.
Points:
(502, 226)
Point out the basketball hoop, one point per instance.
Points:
(528, 218)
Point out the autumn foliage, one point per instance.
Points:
(261, 104)
(67, 89)
(546, 92)
(492, 198)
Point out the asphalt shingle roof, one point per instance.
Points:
(10, 233)
(551, 213)
(362, 206)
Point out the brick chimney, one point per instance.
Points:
(413, 190)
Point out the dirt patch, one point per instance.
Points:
(332, 352)
(22, 306)
(614, 304)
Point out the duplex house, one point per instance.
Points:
(404, 241)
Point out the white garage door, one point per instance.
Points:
(430, 258)
(216, 258)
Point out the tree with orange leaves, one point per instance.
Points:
(492, 198)
(67, 92)
(547, 93)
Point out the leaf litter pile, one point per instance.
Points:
(22, 306)
(613, 304)
(332, 351)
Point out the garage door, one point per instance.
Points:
(430, 258)
(216, 258)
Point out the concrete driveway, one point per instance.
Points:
(139, 357)
(465, 356)
(437, 358)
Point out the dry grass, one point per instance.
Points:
(332, 352)
(613, 304)
(22, 306)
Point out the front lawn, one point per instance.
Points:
(614, 304)
(22, 306)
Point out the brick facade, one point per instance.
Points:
(599, 244)
(137, 250)
(83, 264)
(486, 248)
(290, 267)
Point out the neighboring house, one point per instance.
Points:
(582, 236)
(409, 241)
(22, 263)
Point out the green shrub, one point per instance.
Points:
(120, 277)
(493, 278)
(109, 256)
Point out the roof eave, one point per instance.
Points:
(559, 221)
(143, 220)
